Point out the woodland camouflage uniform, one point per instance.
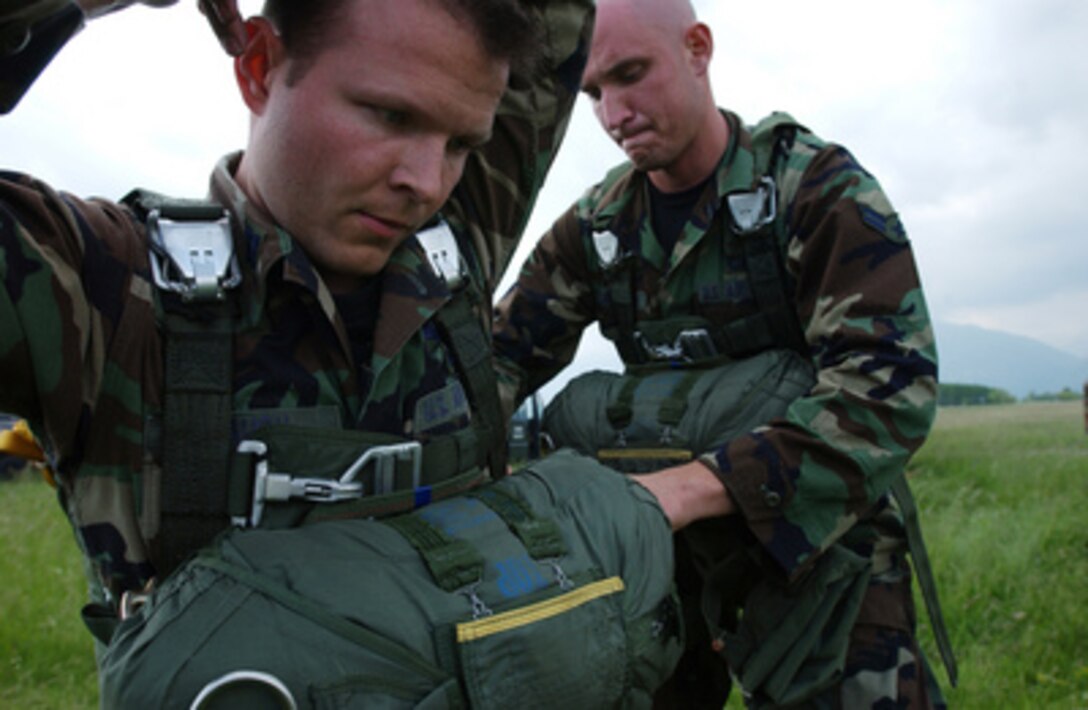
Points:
(82, 356)
(821, 474)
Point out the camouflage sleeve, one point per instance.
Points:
(501, 181)
(803, 481)
(539, 322)
(61, 295)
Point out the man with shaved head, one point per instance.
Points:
(715, 243)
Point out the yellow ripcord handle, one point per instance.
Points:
(19, 441)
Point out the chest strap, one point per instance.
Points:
(290, 475)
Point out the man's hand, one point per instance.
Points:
(227, 24)
(688, 493)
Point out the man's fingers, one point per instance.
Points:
(227, 24)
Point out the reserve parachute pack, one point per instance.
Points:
(782, 642)
(650, 418)
(549, 588)
(790, 640)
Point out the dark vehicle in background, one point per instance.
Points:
(525, 439)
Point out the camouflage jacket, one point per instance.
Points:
(81, 355)
(803, 480)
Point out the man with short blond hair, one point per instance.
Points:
(347, 256)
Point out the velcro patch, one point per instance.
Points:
(324, 417)
(444, 406)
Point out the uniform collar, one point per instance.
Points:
(411, 291)
(627, 209)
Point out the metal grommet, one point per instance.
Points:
(244, 689)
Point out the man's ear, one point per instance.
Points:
(253, 68)
(699, 43)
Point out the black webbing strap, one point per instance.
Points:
(621, 412)
(621, 280)
(776, 322)
(540, 536)
(472, 353)
(924, 571)
(197, 403)
(454, 564)
(676, 404)
(196, 442)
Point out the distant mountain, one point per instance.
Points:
(1019, 365)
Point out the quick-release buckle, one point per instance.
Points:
(271, 486)
(440, 245)
(193, 257)
(753, 210)
(690, 345)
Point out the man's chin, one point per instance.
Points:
(644, 160)
(351, 271)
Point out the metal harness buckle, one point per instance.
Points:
(279, 487)
(440, 245)
(753, 210)
(689, 345)
(193, 257)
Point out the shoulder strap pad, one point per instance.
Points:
(440, 246)
(192, 249)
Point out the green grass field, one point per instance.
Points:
(1004, 497)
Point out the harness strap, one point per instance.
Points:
(776, 321)
(540, 536)
(676, 404)
(197, 392)
(453, 563)
(621, 412)
(926, 582)
(620, 284)
(196, 408)
(472, 352)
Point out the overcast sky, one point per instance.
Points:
(972, 114)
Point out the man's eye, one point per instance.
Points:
(460, 145)
(393, 117)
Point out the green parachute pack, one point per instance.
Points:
(783, 642)
(649, 418)
(549, 588)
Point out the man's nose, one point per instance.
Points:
(423, 170)
(613, 111)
